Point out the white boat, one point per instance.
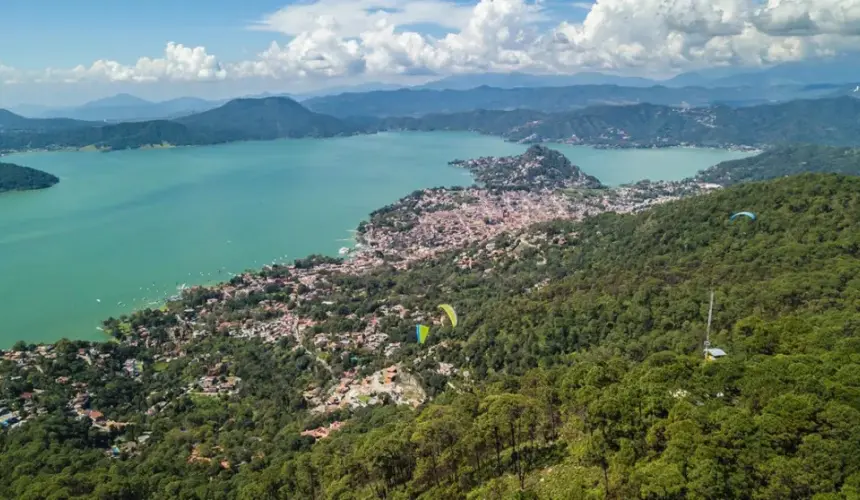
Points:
(343, 251)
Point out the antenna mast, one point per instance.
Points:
(710, 315)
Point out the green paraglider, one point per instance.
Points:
(747, 214)
(452, 315)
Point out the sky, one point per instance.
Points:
(57, 52)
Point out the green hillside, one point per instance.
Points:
(10, 122)
(555, 98)
(579, 372)
(238, 120)
(832, 121)
(789, 160)
(17, 178)
(267, 118)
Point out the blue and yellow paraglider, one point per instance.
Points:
(745, 214)
(421, 332)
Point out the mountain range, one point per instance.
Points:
(829, 121)
(730, 85)
(419, 102)
(122, 107)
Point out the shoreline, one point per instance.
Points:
(92, 148)
(373, 246)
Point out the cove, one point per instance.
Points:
(122, 230)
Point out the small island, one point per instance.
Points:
(17, 178)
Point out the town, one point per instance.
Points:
(518, 192)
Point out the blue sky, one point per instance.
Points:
(68, 51)
(42, 33)
(35, 34)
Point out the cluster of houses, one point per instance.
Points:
(391, 383)
(323, 432)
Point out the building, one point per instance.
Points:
(713, 353)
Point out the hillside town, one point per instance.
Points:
(538, 168)
(420, 226)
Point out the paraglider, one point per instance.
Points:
(421, 332)
(747, 214)
(452, 315)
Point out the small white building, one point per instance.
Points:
(713, 353)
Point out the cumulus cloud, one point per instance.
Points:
(378, 38)
(179, 63)
(354, 17)
(807, 18)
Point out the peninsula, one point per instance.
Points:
(17, 178)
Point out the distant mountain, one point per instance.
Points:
(268, 118)
(364, 87)
(117, 101)
(701, 78)
(125, 107)
(240, 119)
(837, 70)
(129, 135)
(418, 102)
(832, 121)
(31, 110)
(515, 80)
(11, 122)
(850, 90)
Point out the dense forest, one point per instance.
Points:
(10, 122)
(788, 160)
(829, 121)
(417, 102)
(579, 373)
(17, 178)
(822, 121)
(238, 120)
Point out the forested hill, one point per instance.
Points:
(419, 102)
(267, 118)
(17, 178)
(238, 120)
(833, 121)
(10, 122)
(537, 168)
(576, 372)
(784, 161)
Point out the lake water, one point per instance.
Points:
(122, 230)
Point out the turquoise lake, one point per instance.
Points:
(123, 230)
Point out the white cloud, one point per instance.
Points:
(180, 63)
(801, 17)
(354, 17)
(9, 75)
(377, 39)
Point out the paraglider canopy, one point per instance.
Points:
(452, 315)
(421, 332)
(747, 214)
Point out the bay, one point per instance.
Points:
(123, 230)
